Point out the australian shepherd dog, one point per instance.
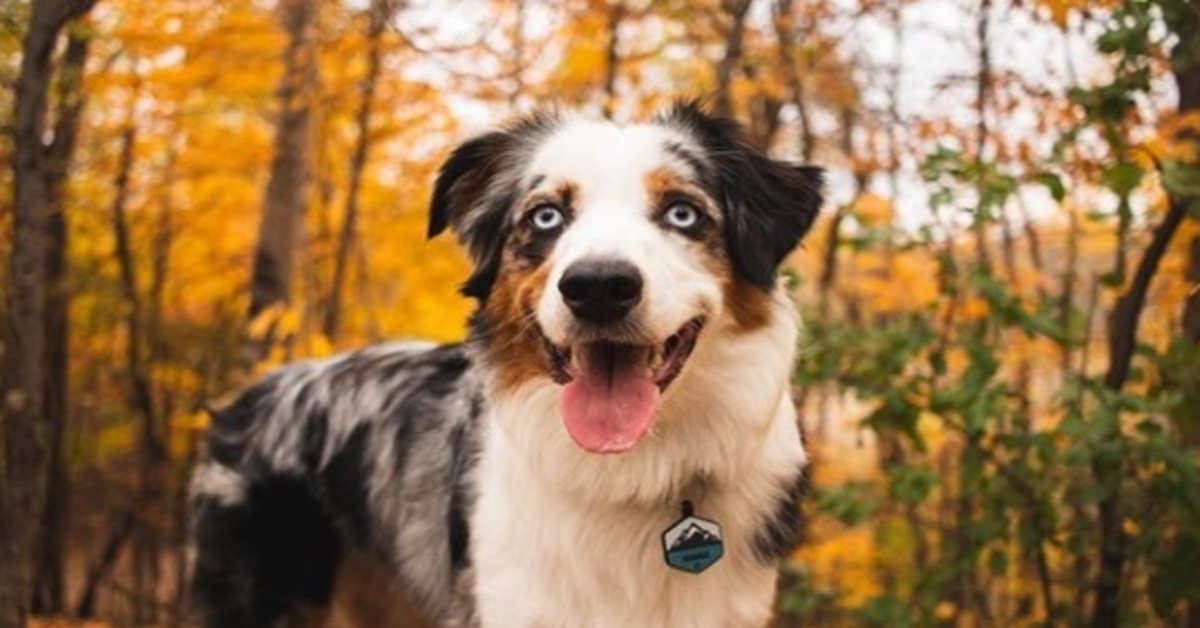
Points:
(614, 445)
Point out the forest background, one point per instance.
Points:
(1000, 375)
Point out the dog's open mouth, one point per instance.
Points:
(610, 388)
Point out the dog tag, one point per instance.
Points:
(692, 544)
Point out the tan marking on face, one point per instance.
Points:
(750, 305)
(514, 341)
(660, 182)
(664, 185)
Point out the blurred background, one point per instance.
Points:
(1000, 373)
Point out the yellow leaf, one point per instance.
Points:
(873, 210)
(319, 346)
(265, 321)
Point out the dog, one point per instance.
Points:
(614, 445)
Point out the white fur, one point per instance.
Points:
(221, 483)
(562, 537)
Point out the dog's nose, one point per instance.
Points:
(601, 290)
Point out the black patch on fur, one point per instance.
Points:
(452, 364)
(468, 198)
(769, 204)
(449, 364)
(344, 484)
(255, 560)
(781, 532)
(456, 517)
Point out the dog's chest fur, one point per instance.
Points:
(603, 564)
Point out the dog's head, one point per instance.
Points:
(603, 254)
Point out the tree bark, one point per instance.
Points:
(377, 19)
(285, 198)
(735, 12)
(23, 377)
(49, 596)
(153, 454)
(1122, 339)
(1187, 79)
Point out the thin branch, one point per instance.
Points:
(378, 15)
(612, 57)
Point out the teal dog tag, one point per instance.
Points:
(692, 544)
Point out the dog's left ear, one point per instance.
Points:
(770, 204)
(467, 198)
(462, 183)
(475, 190)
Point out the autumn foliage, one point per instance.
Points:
(1000, 374)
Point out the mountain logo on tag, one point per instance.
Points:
(693, 544)
(694, 536)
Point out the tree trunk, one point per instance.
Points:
(153, 454)
(49, 595)
(285, 198)
(1187, 79)
(377, 19)
(735, 11)
(23, 429)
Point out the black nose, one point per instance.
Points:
(601, 290)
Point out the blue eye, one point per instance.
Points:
(682, 216)
(546, 218)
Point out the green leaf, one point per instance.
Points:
(1122, 178)
(1112, 279)
(1054, 184)
(886, 610)
(911, 484)
(851, 503)
(1181, 179)
(997, 562)
(1175, 579)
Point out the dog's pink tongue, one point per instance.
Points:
(609, 405)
